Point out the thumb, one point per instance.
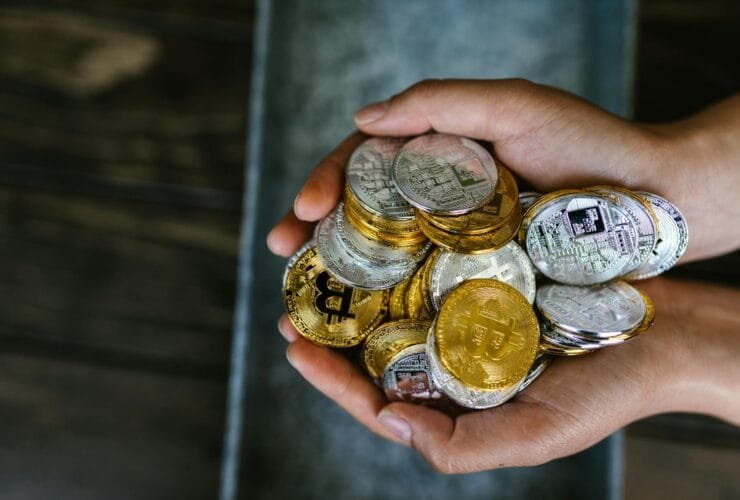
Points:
(493, 110)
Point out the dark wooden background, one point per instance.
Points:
(121, 153)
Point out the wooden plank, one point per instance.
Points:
(72, 431)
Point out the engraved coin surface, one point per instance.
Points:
(460, 393)
(326, 311)
(292, 260)
(494, 214)
(408, 378)
(579, 238)
(487, 334)
(600, 311)
(509, 264)
(445, 174)
(673, 238)
(369, 178)
(386, 341)
(350, 268)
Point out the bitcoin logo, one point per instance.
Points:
(323, 304)
(490, 336)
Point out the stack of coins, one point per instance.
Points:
(471, 316)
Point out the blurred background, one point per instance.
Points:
(122, 148)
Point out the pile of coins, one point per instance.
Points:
(419, 265)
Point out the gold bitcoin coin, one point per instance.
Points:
(487, 334)
(398, 237)
(398, 300)
(327, 312)
(414, 299)
(492, 216)
(389, 339)
(474, 244)
(406, 227)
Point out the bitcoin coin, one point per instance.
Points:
(541, 362)
(487, 334)
(673, 238)
(350, 268)
(402, 228)
(527, 198)
(445, 174)
(579, 238)
(415, 303)
(598, 311)
(369, 178)
(292, 260)
(509, 264)
(493, 215)
(426, 281)
(409, 379)
(386, 341)
(326, 311)
(398, 300)
(473, 244)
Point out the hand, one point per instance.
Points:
(686, 362)
(552, 140)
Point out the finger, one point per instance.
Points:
(340, 380)
(321, 192)
(287, 330)
(288, 235)
(494, 110)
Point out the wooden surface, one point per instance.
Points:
(121, 150)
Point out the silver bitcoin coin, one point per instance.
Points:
(673, 238)
(598, 311)
(373, 251)
(349, 268)
(509, 264)
(580, 239)
(294, 258)
(527, 199)
(645, 223)
(445, 174)
(459, 392)
(540, 363)
(408, 377)
(369, 178)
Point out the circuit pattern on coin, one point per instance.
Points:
(408, 377)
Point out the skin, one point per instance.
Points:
(687, 362)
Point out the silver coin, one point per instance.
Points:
(599, 311)
(445, 174)
(294, 258)
(373, 251)
(456, 390)
(509, 264)
(369, 178)
(647, 232)
(581, 239)
(673, 238)
(588, 341)
(351, 269)
(552, 337)
(540, 363)
(408, 378)
(527, 199)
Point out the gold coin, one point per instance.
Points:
(562, 351)
(408, 227)
(396, 237)
(389, 339)
(398, 300)
(426, 280)
(647, 322)
(493, 215)
(474, 244)
(414, 299)
(487, 334)
(327, 312)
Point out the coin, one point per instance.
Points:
(412, 238)
(579, 238)
(457, 391)
(509, 264)
(474, 244)
(494, 214)
(292, 260)
(527, 198)
(369, 178)
(643, 217)
(541, 362)
(673, 238)
(408, 378)
(598, 311)
(415, 303)
(386, 341)
(398, 300)
(445, 174)
(403, 228)
(350, 268)
(426, 281)
(487, 334)
(326, 311)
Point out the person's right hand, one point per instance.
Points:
(553, 140)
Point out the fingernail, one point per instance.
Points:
(310, 185)
(396, 426)
(371, 113)
(287, 334)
